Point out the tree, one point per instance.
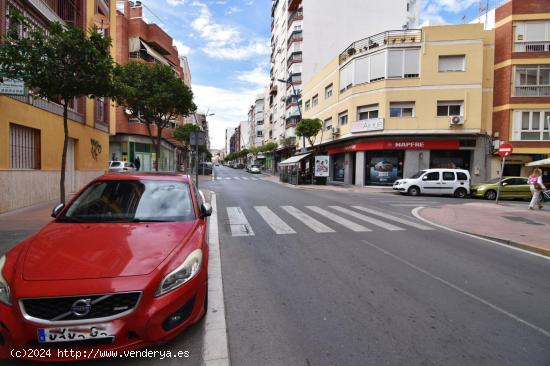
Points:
(156, 94)
(183, 133)
(60, 64)
(309, 128)
(269, 147)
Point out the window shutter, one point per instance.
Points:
(395, 64)
(361, 74)
(346, 75)
(378, 66)
(451, 63)
(535, 31)
(412, 62)
(516, 126)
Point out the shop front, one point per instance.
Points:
(383, 161)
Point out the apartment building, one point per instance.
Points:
(400, 101)
(31, 130)
(521, 113)
(140, 41)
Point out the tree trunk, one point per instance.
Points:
(153, 142)
(64, 154)
(159, 137)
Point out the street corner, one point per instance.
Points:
(506, 223)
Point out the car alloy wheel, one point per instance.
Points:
(461, 193)
(414, 191)
(491, 195)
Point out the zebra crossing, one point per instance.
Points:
(283, 220)
(236, 178)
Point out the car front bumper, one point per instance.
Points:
(143, 327)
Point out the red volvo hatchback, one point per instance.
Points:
(122, 266)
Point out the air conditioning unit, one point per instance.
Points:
(336, 131)
(456, 120)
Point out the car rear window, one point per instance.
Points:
(461, 176)
(115, 164)
(132, 200)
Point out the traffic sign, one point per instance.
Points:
(505, 150)
(197, 138)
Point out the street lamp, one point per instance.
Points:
(289, 81)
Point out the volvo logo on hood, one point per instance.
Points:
(81, 307)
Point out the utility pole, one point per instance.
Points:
(289, 81)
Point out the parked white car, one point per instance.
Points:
(121, 166)
(254, 169)
(454, 182)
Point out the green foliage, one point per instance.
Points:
(183, 133)
(269, 147)
(61, 64)
(309, 128)
(288, 141)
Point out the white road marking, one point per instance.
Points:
(245, 178)
(309, 221)
(338, 219)
(238, 222)
(219, 178)
(227, 177)
(393, 218)
(215, 350)
(461, 290)
(236, 178)
(368, 219)
(274, 221)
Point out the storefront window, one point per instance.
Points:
(459, 159)
(338, 167)
(384, 167)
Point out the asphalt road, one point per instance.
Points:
(309, 281)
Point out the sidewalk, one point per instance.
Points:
(510, 224)
(331, 187)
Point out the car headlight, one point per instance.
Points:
(4, 287)
(187, 270)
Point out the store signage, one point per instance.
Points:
(367, 125)
(12, 87)
(397, 145)
(322, 166)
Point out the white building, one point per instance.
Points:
(330, 27)
(245, 134)
(259, 121)
(228, 133)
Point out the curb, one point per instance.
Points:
(345, 189)
(528, 248)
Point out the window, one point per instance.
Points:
(328, 124)
(433, 176)
(24, 147)
(259, 123)
(532, 36)
(452, 63)
(328, 91)
(532, 81)
(377, 66)
(346, 77)
(531, 125)
(314, 101)
(448, 176)
(307, 105)
(343, 118)
(451, 108)
(461, 176)
(402, 109)
(259, 133)
(367, 112)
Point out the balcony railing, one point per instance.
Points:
(294, 58)
(533, 46)
(296, 36)
(533, 91)
(66, 9)
(297, 15)
(396, 38)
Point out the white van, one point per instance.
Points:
(454, 182)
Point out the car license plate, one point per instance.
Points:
(74, 333)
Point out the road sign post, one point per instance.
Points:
(197, 138)
(504, 151)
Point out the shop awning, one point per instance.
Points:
(294, 159)
(136, 43)
(543, 162)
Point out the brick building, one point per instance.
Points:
(521, 110)
(139, 41)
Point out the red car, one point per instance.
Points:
(122, 266)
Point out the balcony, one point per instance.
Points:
(297, 15)
(295, 79)
(294, 57)
(532, 91)
(388, 39)
(294, 4)
(55, 10)
(296, 36)
(532, 46)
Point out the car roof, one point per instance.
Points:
(146, 176)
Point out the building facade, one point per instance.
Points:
(401, 101)
(31, 130)
(258, 134)
(139, 41)
(521, 113)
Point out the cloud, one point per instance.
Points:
(225, 41)
(183, 50)
(233, 10)
(257, 76)
(230, 106)
(432, 10)
(175, 2)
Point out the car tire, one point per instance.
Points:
(491, 195)
(461, 193)
(413, 191)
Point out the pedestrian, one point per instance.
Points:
(137, 163)
(537, 186)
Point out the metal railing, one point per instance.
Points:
(48, 106)
(394, 38)
(296, 36)
(532, 46)
(293, 58)
(532, 91)
(297, 15)
(66, 9)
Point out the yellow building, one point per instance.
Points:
(401, 101)
(31, 130)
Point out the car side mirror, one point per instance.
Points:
(57, 209)
(206, 210)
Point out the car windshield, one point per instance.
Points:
(114, 164)
(418, 175)
(254, 166)
(494, 180)
(132, 201)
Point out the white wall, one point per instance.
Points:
(331, 26)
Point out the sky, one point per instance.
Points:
(227, 45)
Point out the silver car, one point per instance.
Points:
(121, 166)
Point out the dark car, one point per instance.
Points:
(205, 168)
